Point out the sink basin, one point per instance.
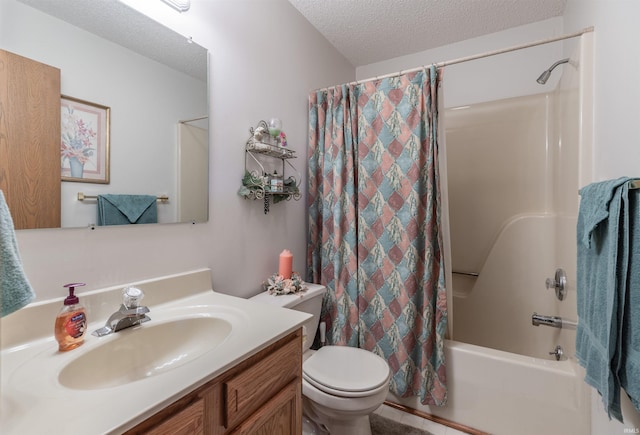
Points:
(139, 352)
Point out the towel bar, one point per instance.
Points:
(82, 197)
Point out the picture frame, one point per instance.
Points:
(84, 141)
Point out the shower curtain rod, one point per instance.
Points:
(472, 57)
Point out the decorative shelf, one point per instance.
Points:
(257, 181)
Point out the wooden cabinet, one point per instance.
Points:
(189, 421)
(278, 416)
(260, 396)
(30, 141)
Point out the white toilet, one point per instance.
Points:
(341, 385)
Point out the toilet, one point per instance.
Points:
(341, 385)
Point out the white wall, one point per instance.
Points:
(503, 76)
(265, 59)
(616, 89)
(616, 149)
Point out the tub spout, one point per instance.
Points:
(553, 321)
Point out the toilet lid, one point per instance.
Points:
(344, 370)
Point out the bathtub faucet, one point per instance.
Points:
(553, 321)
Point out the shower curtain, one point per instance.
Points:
(375, 238)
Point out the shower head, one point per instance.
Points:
(546, 74)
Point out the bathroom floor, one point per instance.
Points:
(416, 421)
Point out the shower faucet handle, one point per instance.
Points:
(558, 283)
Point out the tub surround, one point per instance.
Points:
(33, 400)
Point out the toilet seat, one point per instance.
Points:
(346, 371)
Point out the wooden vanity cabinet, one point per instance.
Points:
(262, 395)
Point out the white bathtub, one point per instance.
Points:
(506, 393)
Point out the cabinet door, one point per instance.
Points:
(281, 415)
(189, 421)
(245, 392)
(30, 141)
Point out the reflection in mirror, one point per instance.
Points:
(157, 100)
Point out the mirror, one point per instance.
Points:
(154, 82)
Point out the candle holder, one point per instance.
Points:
(278, 285)
(275, 127)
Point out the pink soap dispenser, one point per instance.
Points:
(71, 322)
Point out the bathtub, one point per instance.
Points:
(505, 393)
(501, 377)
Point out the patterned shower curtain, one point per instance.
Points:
(374, 237)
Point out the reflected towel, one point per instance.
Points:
(127, 209)
(15, 290)
(602, 267)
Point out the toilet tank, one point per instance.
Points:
(309, 302)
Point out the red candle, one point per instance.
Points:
(286, 264)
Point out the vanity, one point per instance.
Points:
(206, 363)
(260, 395)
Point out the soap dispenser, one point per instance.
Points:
(71, 322)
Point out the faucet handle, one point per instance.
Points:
(131, 297)
(558, 283)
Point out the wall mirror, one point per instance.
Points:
(154, 82)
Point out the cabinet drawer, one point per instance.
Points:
(250, 389)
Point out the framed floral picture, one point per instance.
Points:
(84, 141)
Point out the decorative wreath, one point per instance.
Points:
(278, 285)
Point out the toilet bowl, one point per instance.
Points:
(341, 385)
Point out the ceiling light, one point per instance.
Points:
(179, 5)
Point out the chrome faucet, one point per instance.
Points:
(129, 314)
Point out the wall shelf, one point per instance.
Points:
(260, 183)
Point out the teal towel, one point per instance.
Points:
(594, 206)
(601, 252)
(629, 366)
(127, 209)
(15, 291)
(608, 335)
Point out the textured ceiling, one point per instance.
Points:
(121, 24)
(368, 31)
(364, 31)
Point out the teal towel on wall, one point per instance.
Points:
(127, 209)
(15, 291)
(605, 259)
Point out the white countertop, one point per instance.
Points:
(32, 400)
